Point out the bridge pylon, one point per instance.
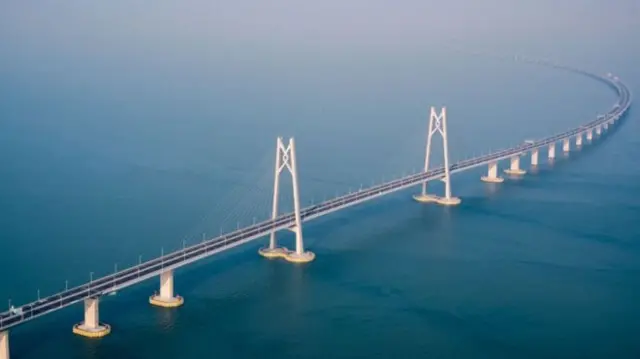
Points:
(492, 174)
(166, 298)
(92, 327)
(438, 124)
(552, 151)
(534, 157)
(286, 159)
(514, 168)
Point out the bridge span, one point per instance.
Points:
(163, 266)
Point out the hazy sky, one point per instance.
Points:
(151, 39)
(206, 27)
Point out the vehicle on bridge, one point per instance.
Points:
(16, 311)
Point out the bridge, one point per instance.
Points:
(163, 266)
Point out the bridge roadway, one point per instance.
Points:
(153, 268)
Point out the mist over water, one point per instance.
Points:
(126, 128)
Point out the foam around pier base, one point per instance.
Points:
(174, 302)
(99, 332)
(515, 172)
(492, 179)
(286, 254)
(452, 201)
(278, 252)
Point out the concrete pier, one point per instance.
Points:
(566, 145)
(605, 126)
(579, 140)
(590, 135)
(492, 175)
(514, 169)
(534, 157)
(552, 151)
(598, 130)
(91, 327)
(4, 345)
(166, 298)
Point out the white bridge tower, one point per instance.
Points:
(438, 124)
(286, 159)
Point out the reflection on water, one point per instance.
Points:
(166, 318)
(491, 189)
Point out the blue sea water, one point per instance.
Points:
(113, 153)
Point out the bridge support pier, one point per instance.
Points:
(166, 298)
(4, 345)
(515, 169)
(590, 135)
(552, 151)
(286, 158)
(91, 327)
(566, 145)
(598, 130)
(492, 174)
(534, 157)
(438, 123)
(605, 126)
(579, 140)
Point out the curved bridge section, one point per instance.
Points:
(163, 266)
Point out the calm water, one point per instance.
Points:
(106, 157)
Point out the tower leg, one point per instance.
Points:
(166, 298)
(276, 194)
(566, 146)
(534, 157)
(299, 255)
(273, 251)
(438, 123)
(514, 169)
(492, 174)
(4, 345)
(91, 327)
(427, 154)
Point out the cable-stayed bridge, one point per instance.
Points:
(164, 265)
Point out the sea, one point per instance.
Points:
(111, 154)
